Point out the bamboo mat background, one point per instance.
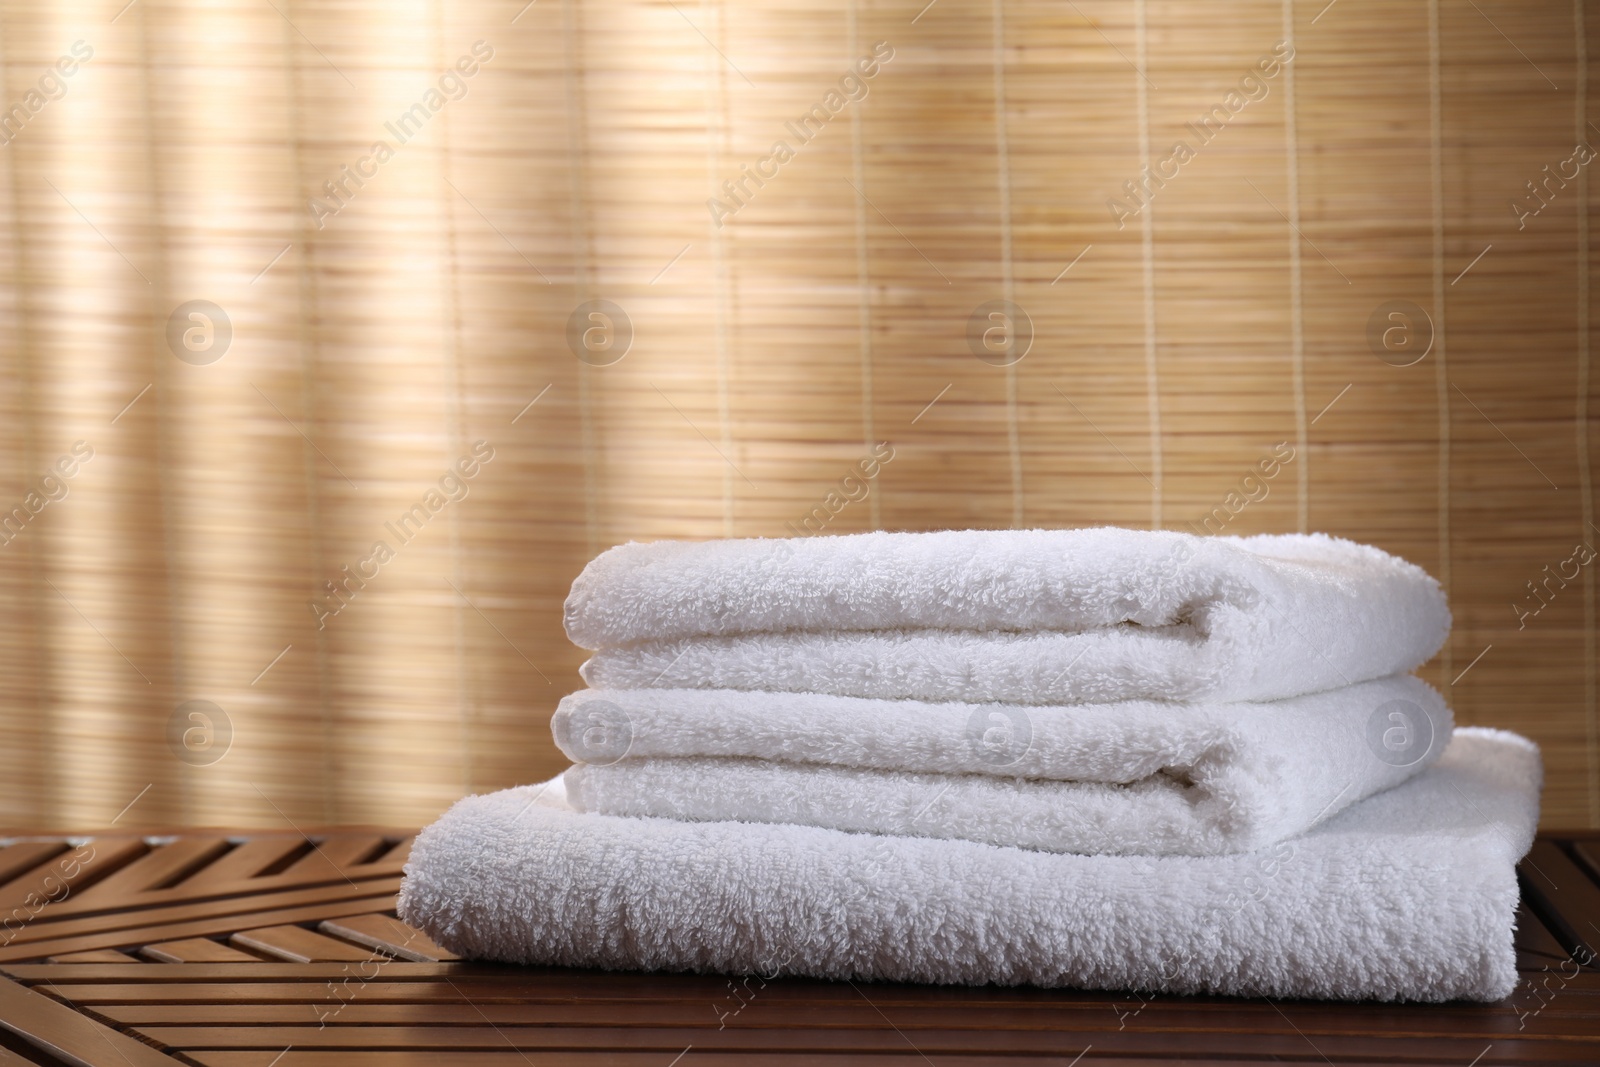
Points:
(372, 347)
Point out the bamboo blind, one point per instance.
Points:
(391, 319)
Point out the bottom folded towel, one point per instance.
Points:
(1408, 895)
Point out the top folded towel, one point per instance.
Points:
(1239, 618)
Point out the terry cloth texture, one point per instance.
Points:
(1025, 617)
(1410, 894)
(1126, 778)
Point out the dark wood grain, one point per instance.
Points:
(1281, 1041)
(693, 1056)
(1566, 897)
(220, 948)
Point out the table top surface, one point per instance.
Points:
(257, 949)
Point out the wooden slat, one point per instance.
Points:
(1277, 1041)
(1565, 897)
(300, 875)
(1587, 854)
(195, 950)
(98, 955)
(400, 852)
(162, 863)
(299, 945)
(60, 1031)
(176, 921)
(239, 971)
(76, 871)
(24, 856)
(692, 1057)
(1536, 945)
(245, 860)
(336, 855)
(389, 934)
(264, 989)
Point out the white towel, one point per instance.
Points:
(1026, 617)
(1410, 894)
(1133, 778)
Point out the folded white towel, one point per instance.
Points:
(1133, 778)
(1028, 617)
(1409, 894)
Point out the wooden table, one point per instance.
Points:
(234, 949)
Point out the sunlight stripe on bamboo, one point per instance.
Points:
(1440, 365)
(1297, 352)
(1580, 133)
(1147, 252)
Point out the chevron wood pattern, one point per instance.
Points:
(280, 950)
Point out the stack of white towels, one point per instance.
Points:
(1102, 758)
